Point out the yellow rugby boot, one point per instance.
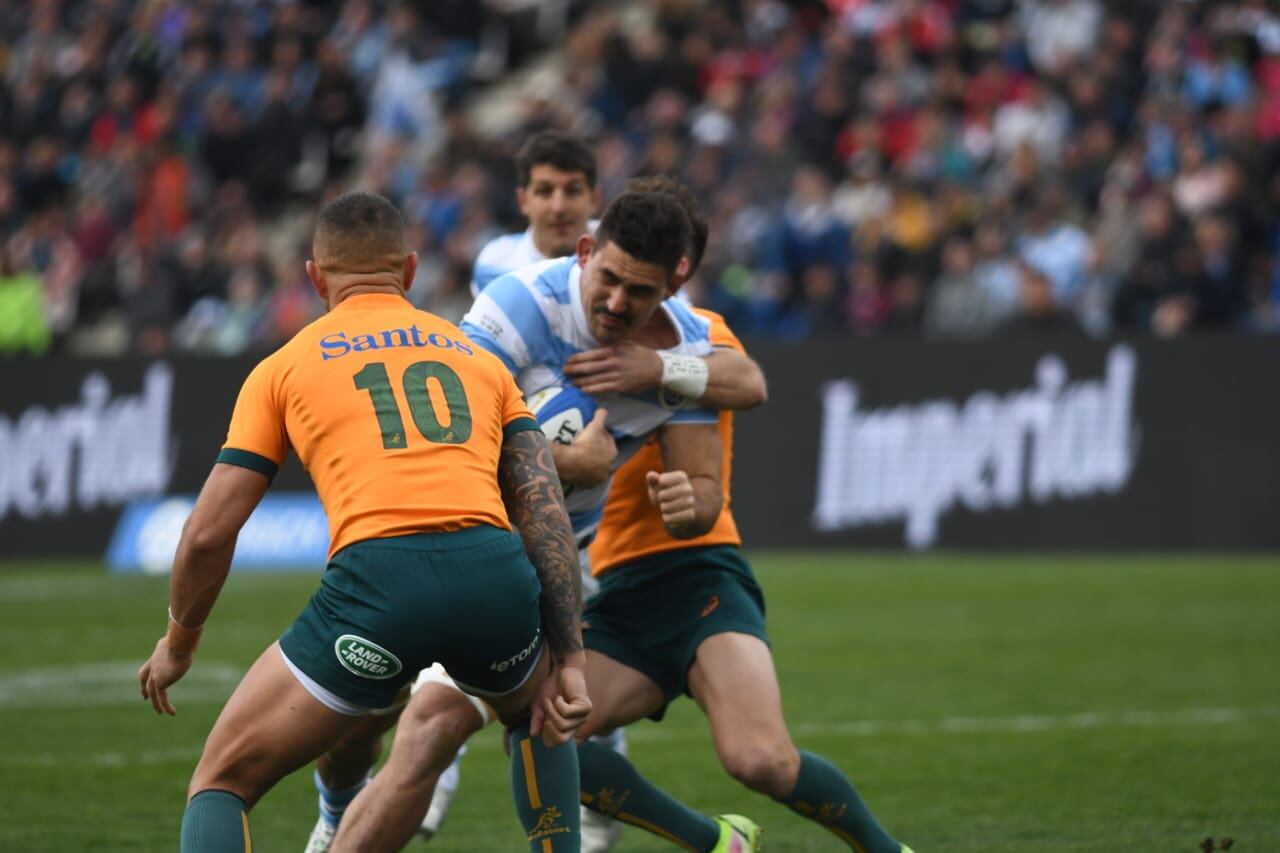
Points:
(737, 835)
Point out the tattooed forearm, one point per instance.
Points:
(535, 503)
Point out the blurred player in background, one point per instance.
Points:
(424, 565)
(557, 193)
(532, 319)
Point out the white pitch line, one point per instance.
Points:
(855, 728)
(1020, 724)
(183, 755)
(100, 684)
(1009, 725)
(1039, 722)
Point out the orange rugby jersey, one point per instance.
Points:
(397, 417)
(631, 527)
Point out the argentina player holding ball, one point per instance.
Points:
(534, 320)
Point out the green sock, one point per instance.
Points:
(825, 796)
(216, 822)
(612, 787)
(544, 784)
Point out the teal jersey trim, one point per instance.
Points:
(252, 461)
(519, 425)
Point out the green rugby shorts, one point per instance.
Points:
(387, 608)
(653, 613)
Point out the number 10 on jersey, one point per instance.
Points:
(373, 378)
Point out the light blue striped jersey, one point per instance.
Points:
(533, 320)
(501, 255)
(509, 252)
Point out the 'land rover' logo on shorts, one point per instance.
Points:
(365, 658)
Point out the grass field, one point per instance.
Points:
(980, 704)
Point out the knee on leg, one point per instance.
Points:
(246, 775)
(763, 767)
(358, 749)
(434, 735)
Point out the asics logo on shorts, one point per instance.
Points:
(712, 604)
(523, 654)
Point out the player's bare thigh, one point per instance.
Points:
(437, 721)
(734, 681)
(348, 761)
(619, 695)
(269, 727)
(435, 724)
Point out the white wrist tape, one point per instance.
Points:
(684, 374)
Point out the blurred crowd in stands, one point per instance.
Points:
(945, 168)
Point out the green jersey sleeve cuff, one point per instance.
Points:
(519, 425)
(252, 461)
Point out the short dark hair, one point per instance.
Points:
(564, 151)
(359, 227)
(698, 227)
(651, 227)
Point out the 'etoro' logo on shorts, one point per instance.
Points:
(364, 658)
(504, 665)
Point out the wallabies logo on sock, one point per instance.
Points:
(609, 803)
(547, 824)
(828, 814)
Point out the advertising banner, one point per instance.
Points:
(1020, 445)
(82, 439)
(286, 532)
(1000, 445)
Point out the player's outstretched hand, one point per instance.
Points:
(160, 673)
(561, 706)
(672, 493)
(624, 368)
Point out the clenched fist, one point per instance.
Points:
(672, 493)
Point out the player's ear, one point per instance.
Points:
(681, 275)
(597, 198)
(318, 284)
(520, 202)
(410, 270)
(586, 245)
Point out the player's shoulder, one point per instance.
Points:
(293, 350)
(718, 330)
(710, 316)
(694, 327)
(544, 280)
(498, 250)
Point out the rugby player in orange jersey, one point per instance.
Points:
(685, 616)
(442, 718)
(423, 454)
(557, 192)
(438, 720)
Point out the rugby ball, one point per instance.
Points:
(562, 411)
